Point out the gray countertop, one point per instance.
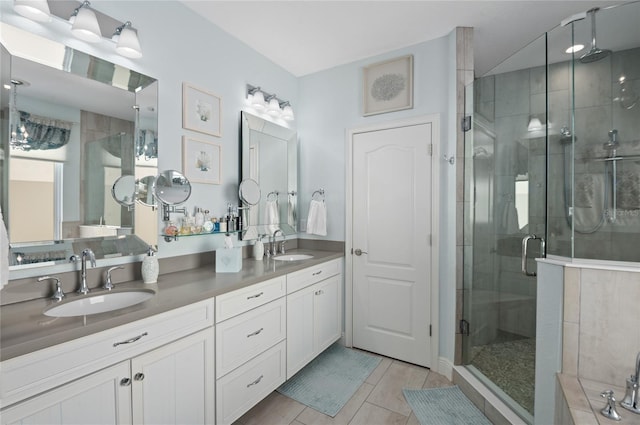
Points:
(24, 327)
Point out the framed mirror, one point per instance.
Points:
(80, 131)
(270, 159)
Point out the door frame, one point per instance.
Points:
(434, 121)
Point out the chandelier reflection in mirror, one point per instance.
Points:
(29, 132)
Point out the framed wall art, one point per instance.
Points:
(201, 110)
(388, 86)
(201, 161)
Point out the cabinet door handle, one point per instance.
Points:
(255, 333)
(255, 296)
(319, 292)
(129, 341)
(125, 382)
(138, 376)
(257, 381)
(317, 273)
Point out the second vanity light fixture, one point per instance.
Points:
(84, 25)
(269, 103)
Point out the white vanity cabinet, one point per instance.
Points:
(145, 372)
(313, 312)
(250, 346)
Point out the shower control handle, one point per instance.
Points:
(525, 245)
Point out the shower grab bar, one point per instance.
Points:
(525, 245)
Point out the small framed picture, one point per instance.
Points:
(201, 161)
(388, 86)
(201, 110)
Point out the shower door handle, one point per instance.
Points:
(525, 245)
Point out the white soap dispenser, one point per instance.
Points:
(150, 267)
(258, 249)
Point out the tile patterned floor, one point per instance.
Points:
(378, 401)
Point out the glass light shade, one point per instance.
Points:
(85, 26)
(287, 113)
(37, 10)
(274, 107)
(534, 124)
(128, 44)
(258, 100)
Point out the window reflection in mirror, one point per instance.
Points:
(83, 123)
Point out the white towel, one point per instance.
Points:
(317, 219)
(271, 213)
(4, 253)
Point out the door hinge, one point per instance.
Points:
(465, 123)
(430, 330)
(430, 149)
(464, 327)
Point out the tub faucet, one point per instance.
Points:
(84, 289)
(631, 399)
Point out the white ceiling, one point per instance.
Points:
(304, 37)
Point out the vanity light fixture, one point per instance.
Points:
(272, 106)
(36, 10)
(257, 98)
(575, 48)
(127, 43)
(84, 24)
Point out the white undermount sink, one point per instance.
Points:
(292, 257)
(102, 303)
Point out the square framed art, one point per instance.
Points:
(201, 161)
(201, 110)
(387, 86)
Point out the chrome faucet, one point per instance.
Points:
(631, 399)
(274, 246)
(84, 289)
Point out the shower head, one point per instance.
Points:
(595, 53)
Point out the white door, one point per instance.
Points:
(391, 227)
(174, 384)
(103, 397)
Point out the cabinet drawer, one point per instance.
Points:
(237, 302)
(243, 388)
(309, 276)
(44, 369)
(245, 336)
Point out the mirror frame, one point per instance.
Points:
(125, 244)
(253, 123)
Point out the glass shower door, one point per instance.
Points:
(505, 195)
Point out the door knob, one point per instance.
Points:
(138, 376)
(359, 252)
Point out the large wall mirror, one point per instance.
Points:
(269, 158)
(79, 135)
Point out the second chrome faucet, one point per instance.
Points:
(86, 253)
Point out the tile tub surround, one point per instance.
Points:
(600, 340)
(24, 328)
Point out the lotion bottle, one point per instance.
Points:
(150, 267)
(258, 249)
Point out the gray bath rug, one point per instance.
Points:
(328, 382)
(444, 406)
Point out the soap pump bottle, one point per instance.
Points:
(150, 267)
(258, 249)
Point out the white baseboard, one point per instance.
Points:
(445, 368)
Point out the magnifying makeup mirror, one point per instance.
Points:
(171, 187)
(124, 190)
(144, 192)
(249, 192)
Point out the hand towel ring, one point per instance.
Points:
(273, 196)
(320, 193)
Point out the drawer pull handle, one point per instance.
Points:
(317, 273)
(138, 376)
(319, 292)
(125, 382)
(257, 381)
(129, 341)
(255, 333)
(255, 296)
